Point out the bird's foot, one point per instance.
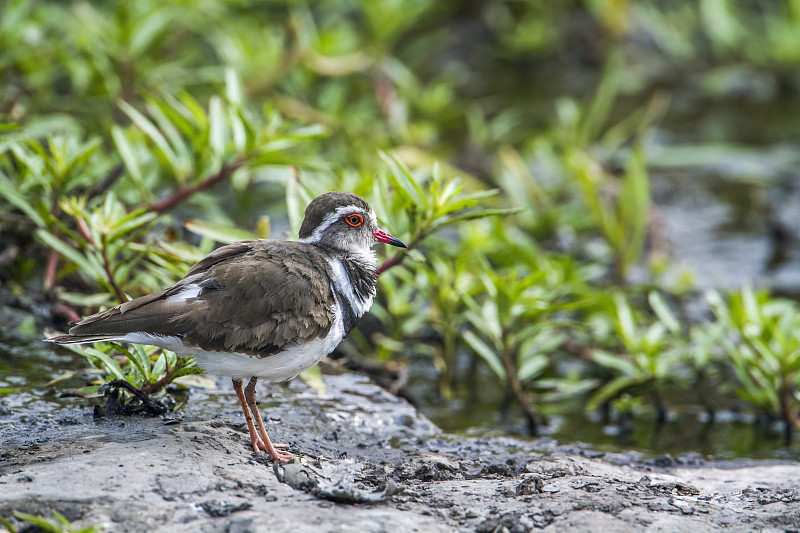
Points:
(281, 456)
(276, 452)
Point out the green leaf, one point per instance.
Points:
(464, 201)
(61, 518)
(132, 221)
(486, 353)
(216, 126)
(750, 305)
(111, 366)
(9, 192)
(717, 304)
(65, 250)
(36, 521)
(138, 356)
(472, 215)
(604, 97)
(313, 377)
(634, 203)
(126, 153)
(653, 337)
(403, 178)
(85, 300)
(188, 371)
(611, 390)
(180, 142)
(614, 362)
(663, 312)
(153, 133)
(147, 28)
(219, 232)
(627, 327)
(296, 200)
(238, 129)
(532, 366)
(233, 87)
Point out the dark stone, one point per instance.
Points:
(530, 485)
(663, 461)
(433, 472)
(220, 508)
(676, 489)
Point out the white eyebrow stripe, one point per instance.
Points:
(329, 219)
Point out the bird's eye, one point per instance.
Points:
(354, 220)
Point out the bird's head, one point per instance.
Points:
(344, 221)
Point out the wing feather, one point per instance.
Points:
(252, 297)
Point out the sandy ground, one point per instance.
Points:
(385, 468)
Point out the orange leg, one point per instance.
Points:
(255, 440)
(273, 449)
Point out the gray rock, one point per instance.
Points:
(200, 474)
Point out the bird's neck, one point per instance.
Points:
(355, 275)
(362, 269)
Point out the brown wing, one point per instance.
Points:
(225, 253)
(255, 297)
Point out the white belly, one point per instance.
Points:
(280, 367)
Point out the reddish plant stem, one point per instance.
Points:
(184, 193)
(389, 263)
(50, 270)
(67, 312)
(398, 258)
(85, 230)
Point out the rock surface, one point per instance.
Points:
(383, 467)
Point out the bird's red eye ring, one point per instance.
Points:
(354, 220)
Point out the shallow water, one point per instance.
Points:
(729, 436)
(688, 429)
(729, 227)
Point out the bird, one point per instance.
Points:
(260, 309)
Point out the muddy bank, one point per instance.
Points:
(385, 468)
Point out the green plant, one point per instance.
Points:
(421, 206)
(100, 248)
(708, 361)
(148, 369)
(447, 283)
(620, 207)
(36, 175)
(760, 337)
(649, 354)
(515, 329)
(58, 524)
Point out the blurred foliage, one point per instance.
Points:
(760, 337)
(505, 141)
(649, 355)
(57, 524)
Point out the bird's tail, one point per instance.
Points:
(81, 339)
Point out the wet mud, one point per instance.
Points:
(371, 463)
